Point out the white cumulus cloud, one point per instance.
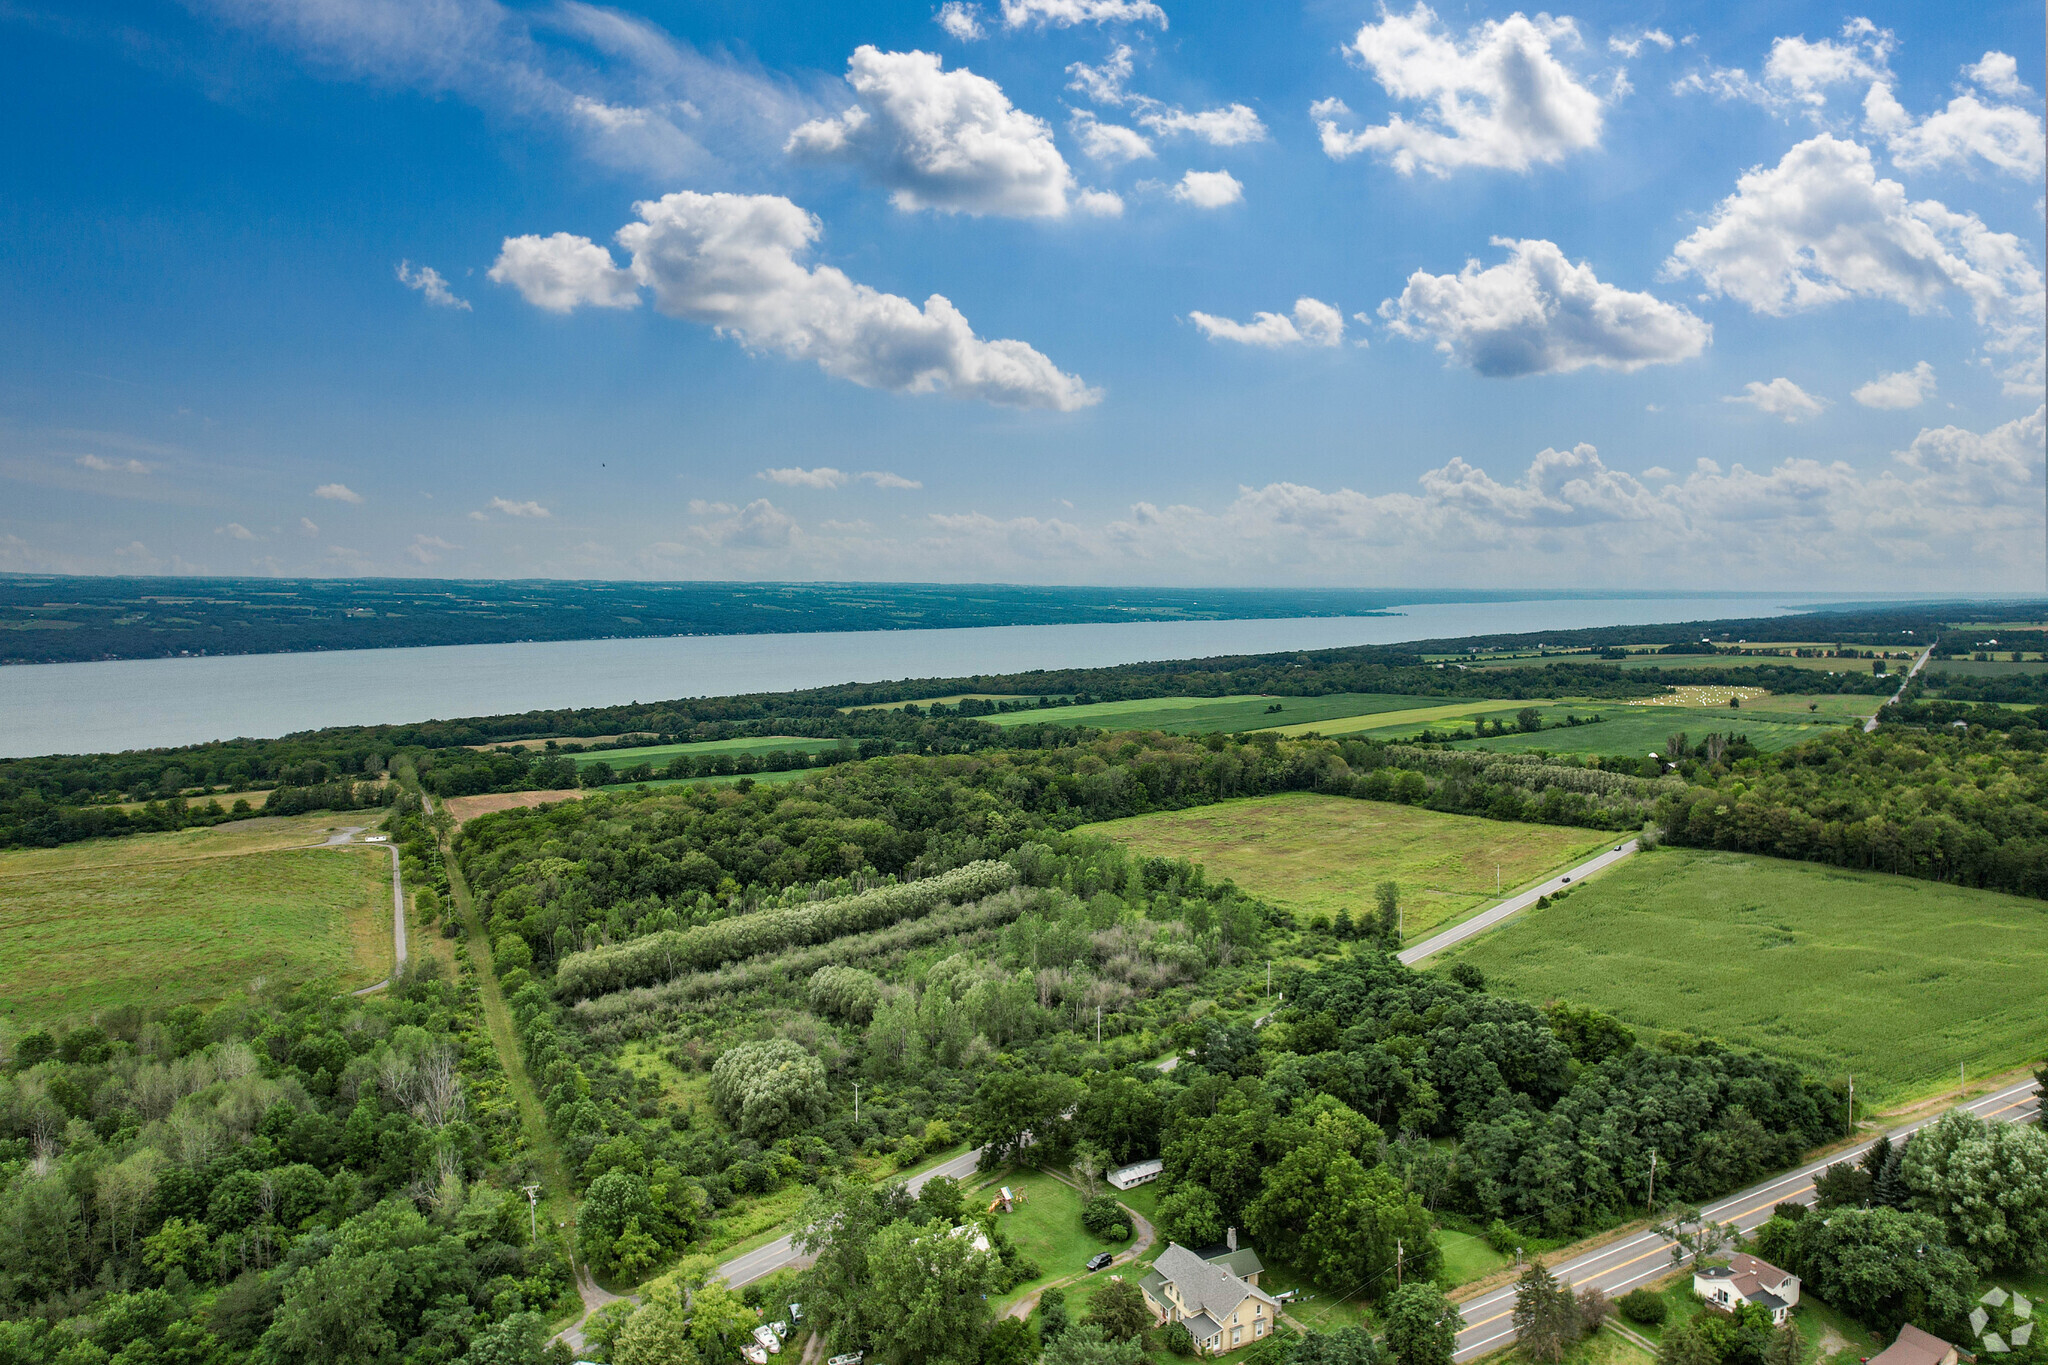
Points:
(882, 478)
(1798, 73)
(1500, 99)
(1632, 45)
(1821, 227)
(1105, 83)
(1068, 13)
(2005, 136)
(337, 492)
(1314, 323)
(1109, 143)
(730, 261)
(563, 272)
(937, 139)
(431, 286)
(1231, 126)
(1998, 73)
(1780, 398)
(234, 530)
(824, 476)
(528, 508)
(1898, 391)
(962, 21)
(1537, 313)
(1209, 189)
(100, 464)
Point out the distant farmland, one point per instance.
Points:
(1322, 854)
(1210, 715)
(1895, 980)
(158, 919)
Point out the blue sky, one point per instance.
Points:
(1633, 295)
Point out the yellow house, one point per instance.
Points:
(1215, 1292)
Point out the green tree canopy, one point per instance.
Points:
(768, 1088)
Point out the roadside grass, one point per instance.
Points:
(1600, 1348)
(1320, 854)
(1625, 729)
(1895, 980)
(1318, 1308)
(1466, 1257)
(197, 915)
(1205, 715)
(660, 754)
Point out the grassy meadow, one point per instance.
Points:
(160, 919)
(1322, 854)
(1207, 715)
(1894, 980)
(1627, 729)
(660, 754)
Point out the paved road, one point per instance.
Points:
(753, 1265)
(1869, 726)
(1485, 920)
(1631, 1261)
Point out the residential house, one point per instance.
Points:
(1215, 1291)
(1745, 1279)
(1915, 1347)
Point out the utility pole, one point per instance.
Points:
(1652, 1205)
(1269, 977)
(1852, 1101)
(1098, 1026)
(1496, 881)
(856, 1104)
(1397, 1263)
(1963, 1073)
(532, 1217)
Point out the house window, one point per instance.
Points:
(1258, 1329)
(1236, 1335)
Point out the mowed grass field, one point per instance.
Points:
(1894, 980)
(1209, 715)
(1322, 854)
(1648, 729)
(196, 915)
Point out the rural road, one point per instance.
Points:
(1635, 1260)
(752, 1265)
(1870, 726)
(1485, 920)
(347, 836)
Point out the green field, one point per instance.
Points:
(1206, 715)
(761, 779)
(660, 754)
(1648, 729)
(1046, 1227)
(160, 919)
(1894, 980)
(1323, 854)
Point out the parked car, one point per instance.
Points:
(1100, 1259)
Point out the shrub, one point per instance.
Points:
(846, 993)
(764, 1089)
(1642, 1307)
(1502, 1238)
(1176, 1338)
(1101, 1214)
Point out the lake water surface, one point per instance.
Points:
(149, 703)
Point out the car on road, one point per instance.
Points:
(1617, 848)
(1566, 882)
(1100, 1259)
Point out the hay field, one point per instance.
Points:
(1322, 854)
(1895, 980)
(1207, 715)
(159, 919)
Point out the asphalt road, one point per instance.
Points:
(1635, 1260)
(752, 1265)
(1870, 726)
(1486, 919)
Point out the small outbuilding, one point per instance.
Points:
(1137, 1173)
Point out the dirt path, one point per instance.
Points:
(397, 917)
(1145, 1236)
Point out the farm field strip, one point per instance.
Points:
(1893, 979)
(659, 754)
(1321, 854)
(1203, 715)
(258, 834)
(1648, 729)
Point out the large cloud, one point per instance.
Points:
(564, 272)
(1537, 313)
(1821, 227)
(1500, 99)
(1314, 323)
(1798, 73)
(947, 140)
(731, 261)
(2005, 136)
(1956, 508)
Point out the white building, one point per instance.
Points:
(1137, 1173)
(1745, 1279)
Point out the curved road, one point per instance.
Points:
(749, 1266)
(1634, 1260)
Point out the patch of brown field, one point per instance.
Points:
(585, 740)
(467, 808)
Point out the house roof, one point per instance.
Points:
(1241, 1262)
(1202, 1326)
(1205, 1287)
(1748, 1276)
(1914, 1347)
(1742, 1263)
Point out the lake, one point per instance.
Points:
(152, 703)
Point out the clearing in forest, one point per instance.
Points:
(1895, 980)
(1321, 854)
(160, 919)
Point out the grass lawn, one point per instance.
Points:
(1204, 715)
(1414, 715)
(1467, 1258)
(161, 919)
(660, 754)
(1317, 1309)
(760, 780)
(1319, 853)
(1625, 729)
(1895, 980)
(1046, 1226)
